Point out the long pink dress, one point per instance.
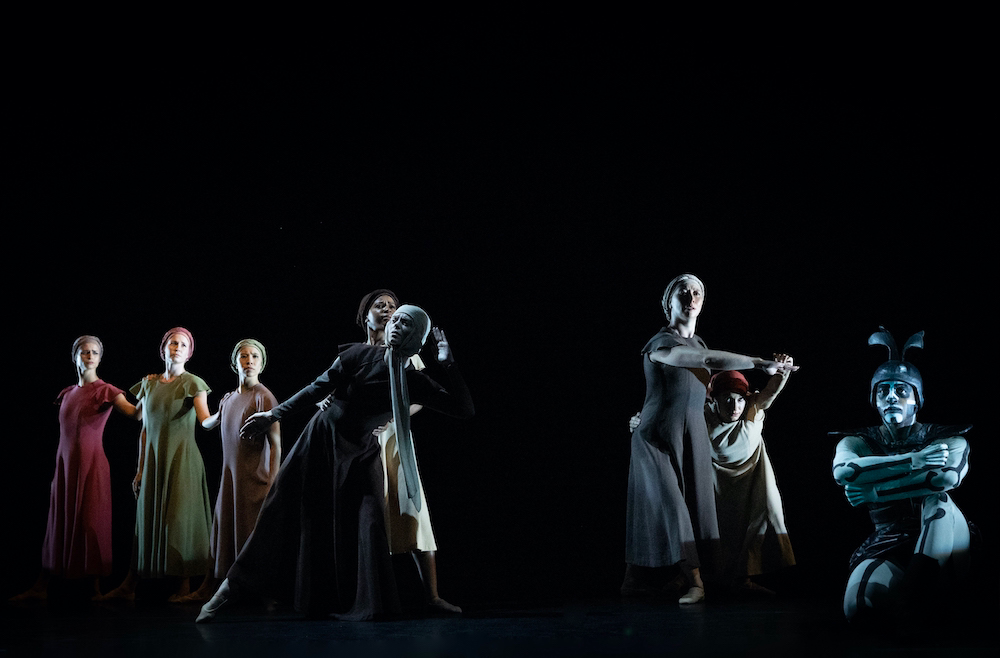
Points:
(246, 476)
(78, 535)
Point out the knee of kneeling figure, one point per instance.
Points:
(870, 587)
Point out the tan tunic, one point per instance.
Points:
(751, 520)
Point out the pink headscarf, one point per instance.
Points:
(178, 330)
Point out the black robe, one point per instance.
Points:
(320, 538)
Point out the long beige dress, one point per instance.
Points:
(751, 520)
(406, 528)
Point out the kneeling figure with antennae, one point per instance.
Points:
(903, 472)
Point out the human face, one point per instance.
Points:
(250, 361)
(177, 350)
(88, 356)
(685, 302)
(896, 403)
(399, 328)
(379, 313)
(729, 406)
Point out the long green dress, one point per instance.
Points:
(173, 517)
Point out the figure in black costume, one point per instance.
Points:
(409, 529)
(320, 539)
(902, 472)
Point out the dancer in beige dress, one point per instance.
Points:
(752, 534)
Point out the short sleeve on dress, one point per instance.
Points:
(193, 385)
(62, 394)
(666, 340)
(106, 393)
(139, 390)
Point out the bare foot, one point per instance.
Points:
(197, 596)
(750, 587)
(32, 596)
(118, 594)
(440, 606)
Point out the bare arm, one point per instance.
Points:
(683, 356)
(137, 480)
(123, 406)
(201, 406)
(212, 421)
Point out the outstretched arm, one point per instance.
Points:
(307, 396)
(215, 419)
(683, 356)
(123, 406)
(211, 422)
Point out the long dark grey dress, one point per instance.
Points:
(670, 514)
(320, 539)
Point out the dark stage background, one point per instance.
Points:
(536, 204)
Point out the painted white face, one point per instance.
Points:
(177, 350)
(379, 312)
(399, 328)
(729, 406)
(685, 302)
(88, 356)
(250, 361)
(896, 403)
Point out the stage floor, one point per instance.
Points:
(595, 627)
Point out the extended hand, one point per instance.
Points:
(444, 349)
(782, 364)
(787, 361)
(256, 425)
(932, 456)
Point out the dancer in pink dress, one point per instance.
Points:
(78, 534)
(248, 466)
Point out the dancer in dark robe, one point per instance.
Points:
(320, 541)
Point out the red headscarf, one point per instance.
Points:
(728, 381)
